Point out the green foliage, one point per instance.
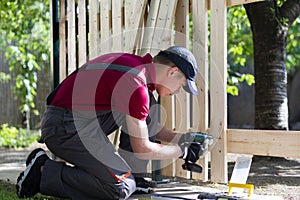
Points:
(293, 47)
(4, 77)
(24, 34)
(240, 48)
(13, 138)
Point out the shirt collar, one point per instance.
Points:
(150, 71)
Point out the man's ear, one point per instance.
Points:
(173, 69)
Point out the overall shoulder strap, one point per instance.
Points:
(101, 66)
(116, 67)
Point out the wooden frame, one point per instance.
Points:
(132, 26)
(264, 142)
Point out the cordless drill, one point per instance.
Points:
(205, 140)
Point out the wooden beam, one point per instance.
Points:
(117, 35)
(264, 142)
(93, 29)
(134, 16)
(200, 102)
(218, 92)
(161, 39)
(82, 38)
(72, 58)
(150, 27)
(105, 26)
(182, 106)
(230, 3)
(162, 36)
(62, 41)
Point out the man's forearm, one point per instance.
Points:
(167, 135)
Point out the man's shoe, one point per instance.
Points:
(32, 155)
(28, 182)
(143, 186)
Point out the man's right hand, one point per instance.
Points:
(190, 151)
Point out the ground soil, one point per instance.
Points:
(270, 176)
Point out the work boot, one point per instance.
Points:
(28, 182)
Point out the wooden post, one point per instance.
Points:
(93, 29)
(105, 26)
(200, 102)
(162, 35)
(134, 16)
(218, 92)
(72, 58)
(182, 106)
(162, 38)
(117, 35)
(150, 27)
(82, 37)
(62, 41)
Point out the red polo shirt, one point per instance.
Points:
(109, 89)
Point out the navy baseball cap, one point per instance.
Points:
(186, 62)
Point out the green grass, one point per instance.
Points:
(8, 192)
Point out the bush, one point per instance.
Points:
(13, 137)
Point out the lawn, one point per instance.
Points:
(8, 192)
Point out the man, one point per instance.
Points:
(111, 91)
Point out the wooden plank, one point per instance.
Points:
(230, 3)
(51, 46)
(162, 37)
(218, 93)
(93, 29)
(72, 58)
(62, 41)
(150, 27)
(167, 119)
(134, 16)
(82, 38)
(105, 26)
(117, 33)
(182, 117)
(264, 142)
(200, 102)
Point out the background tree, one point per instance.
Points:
(270, 21)
(24, 32)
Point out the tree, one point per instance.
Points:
(24, 36)
(270, 21)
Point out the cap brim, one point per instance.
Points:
(191, 87)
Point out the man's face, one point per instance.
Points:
(172, 83)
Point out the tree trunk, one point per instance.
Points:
(269, 39)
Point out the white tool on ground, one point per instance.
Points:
(239, 176)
